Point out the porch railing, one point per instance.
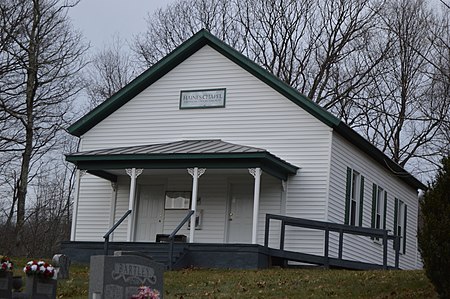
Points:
(328, 227)
(172, 236)
(111, 230)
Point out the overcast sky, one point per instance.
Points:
(99, 20)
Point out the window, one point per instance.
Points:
(379, 209)
(400, 223)
(177, 200)
(379, 204)
(354, 198)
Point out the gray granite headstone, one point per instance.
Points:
(5, 285)
(121, 275)
(61, 263)
(40, 288)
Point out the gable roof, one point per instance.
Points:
(192, 45)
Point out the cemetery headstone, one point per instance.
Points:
(120, 276)
(61, 263)
(5, 285)
(40, 288)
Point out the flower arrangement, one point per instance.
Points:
(146, 293)
(6, 264)
(40, 268)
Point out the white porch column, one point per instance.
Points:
(256, 173)
(195, 173)
(78, 175)
(133, 173)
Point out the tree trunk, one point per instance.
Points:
(31, 86)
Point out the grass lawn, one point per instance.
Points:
(270, 283)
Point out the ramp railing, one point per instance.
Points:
(172, 236)
(111, 230)
(342, 229)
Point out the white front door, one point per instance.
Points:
(150, 213)
(240, 213)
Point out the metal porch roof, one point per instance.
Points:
(181, 154)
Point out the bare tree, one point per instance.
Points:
(404, 113)
(48, 54)
(325, 49)
(169, 27)
(110, 70)
(368, 62)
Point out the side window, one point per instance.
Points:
(354, 198)
(400, 223)
(379, 207)
(379, 204)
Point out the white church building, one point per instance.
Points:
(206, 129)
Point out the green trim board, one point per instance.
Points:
(183, 154)
(192, 45)
(180, 163)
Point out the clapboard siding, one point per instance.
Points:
(123, 192)
(270, 203)
(255, 115)
(345, 155)
(213, 192)
(94, 208)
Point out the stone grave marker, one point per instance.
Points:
(61, 263)
(120, 276)
(5, 285)
(40, 288)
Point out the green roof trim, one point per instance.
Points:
(177, 56)
(268, 162)
(348, 133)
(192, 45)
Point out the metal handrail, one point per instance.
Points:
(172, 236)
(111, 230)
(334, 227)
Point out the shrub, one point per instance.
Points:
(434, 235)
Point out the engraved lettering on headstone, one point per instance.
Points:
(134, 273)
(44, 288)
(113, 291)
(130, 291)
(122, 275)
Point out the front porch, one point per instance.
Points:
(221, 182)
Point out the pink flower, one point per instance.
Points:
(146, 293)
